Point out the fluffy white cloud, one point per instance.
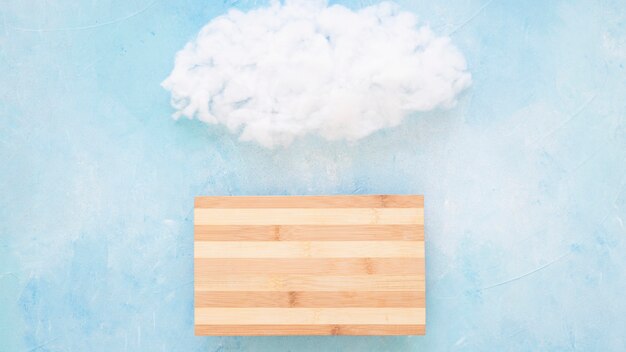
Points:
(302, 67)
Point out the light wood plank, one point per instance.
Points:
(318, 329)
(287, 282)
(304, 299)
(310, 266)
(309, 249)
(236, 316)
(317, 265)
(309, 232)
(365, 201)
(309, 216)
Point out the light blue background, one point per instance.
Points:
(525, 180)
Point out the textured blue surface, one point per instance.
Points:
(525, 181)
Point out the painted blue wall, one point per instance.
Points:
(525, 180)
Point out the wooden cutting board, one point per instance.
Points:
(309, 265)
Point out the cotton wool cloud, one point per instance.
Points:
(300, 68)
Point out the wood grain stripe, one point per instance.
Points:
(309, 232)
(367, 201)
(309, 249)
(235, 316)
(277, 330)
(300, 299)
(286, 282)
(309, 216)
(310, 266)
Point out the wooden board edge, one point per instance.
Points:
(309, 330)
(326, 201)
